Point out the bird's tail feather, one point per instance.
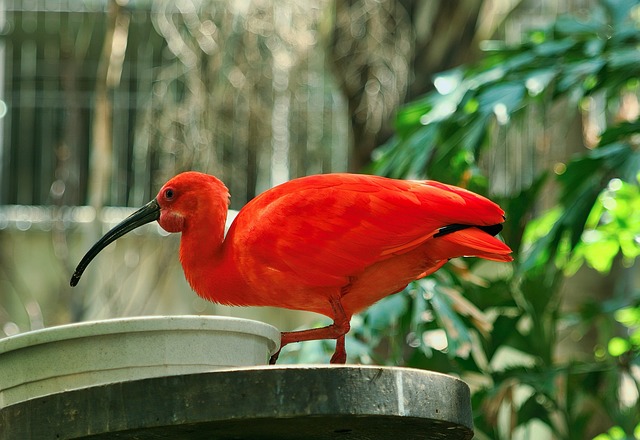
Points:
(474, 242)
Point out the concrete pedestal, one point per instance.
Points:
(275, 402)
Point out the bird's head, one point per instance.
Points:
(188, 196)
(185, 197)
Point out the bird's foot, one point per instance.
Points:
(274, 358)
(338, 358)
(340, 355)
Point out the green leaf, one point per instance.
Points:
(386, 312)
(600, 255)
(523, 60)
(505, 332)
(575, 73)
(624, 57)
(618, 133)
(458, 338)
(628, 316)
(538, 237)
(620, 9)
(408, 117)
(553, 48)
(538, 80)
(508, 95)
(518, 209)
(532, 409)
(618, 346)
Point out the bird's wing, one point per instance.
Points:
(324, 229)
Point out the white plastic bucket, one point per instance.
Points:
(73, 356)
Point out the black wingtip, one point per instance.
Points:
(449, 229)
(493, 229)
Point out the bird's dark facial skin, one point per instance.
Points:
(144, 215)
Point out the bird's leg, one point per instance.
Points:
(337, 330)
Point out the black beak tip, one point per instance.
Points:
(74, 279)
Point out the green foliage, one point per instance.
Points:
(626, 348)
(617, 433)
(442, 134)
(503, 335)
(612, 228)
(583, 190)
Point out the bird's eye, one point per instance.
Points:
(169, 193)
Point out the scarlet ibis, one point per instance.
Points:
(333, 244)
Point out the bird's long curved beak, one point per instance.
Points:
(144, 215)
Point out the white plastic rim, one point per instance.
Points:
(57, 359)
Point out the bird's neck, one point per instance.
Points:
(207, 265)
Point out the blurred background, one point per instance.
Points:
(533, 103)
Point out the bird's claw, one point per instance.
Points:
(340, 355)
(338, 358)
(274, 358)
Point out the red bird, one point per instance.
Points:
(333, 244)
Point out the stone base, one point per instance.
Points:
(274, 402)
